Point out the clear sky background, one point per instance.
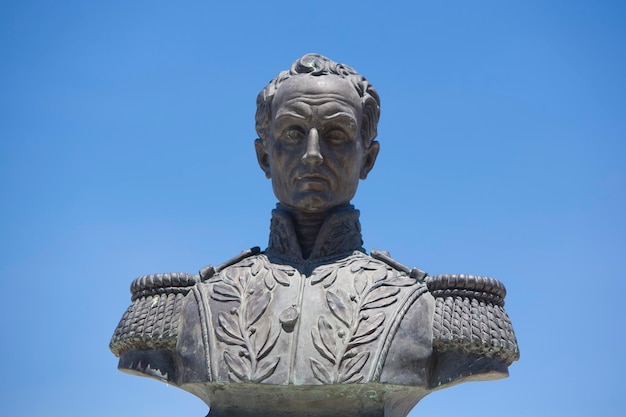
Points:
(126, 148)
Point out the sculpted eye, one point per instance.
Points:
(292, 134)
(336, 136)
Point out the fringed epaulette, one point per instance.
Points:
(151, 321)
(470, 317)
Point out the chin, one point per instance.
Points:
(319, 207)
(317, 201)
(310, 204)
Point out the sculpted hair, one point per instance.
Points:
(318, 65)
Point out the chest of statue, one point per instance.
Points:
(325, 322)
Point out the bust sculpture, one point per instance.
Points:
(314, 325)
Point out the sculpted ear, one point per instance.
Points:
(263, 157)
(369, 159)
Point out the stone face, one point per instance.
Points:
(313, 325)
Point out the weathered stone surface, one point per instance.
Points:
(313, 325)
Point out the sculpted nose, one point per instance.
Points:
(313, 155)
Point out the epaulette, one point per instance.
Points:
(151, 321)
(155, 284)
(469, 317)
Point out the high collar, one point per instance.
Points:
(339, 234)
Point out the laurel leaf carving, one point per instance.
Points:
(219, 297)
(360, 281)
(260, 337)
(331, 278)
(366, 338)
(236, 365)
(256, 267)
(269, 280)
(320, 372)
(322, 274)
(256, 306)
(328, 337)
(379, 275)
(272, 337)
(226, 291)
(321, 348)
(355, 379)
(380, 303)
(230, 326)
(226, 338)
(343, 340)
(368, 326)
(266, 369)
(249, 325)
(358, 264)
(228, 278)
(353, 365)
(243, 279)
(281, 277)
(380, 297)
(286, 269)
(339, 304)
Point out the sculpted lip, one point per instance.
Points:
(314, 177)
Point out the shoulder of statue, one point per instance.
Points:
(148, 332)
(151, 321)
(469, 317)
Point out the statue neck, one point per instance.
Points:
(307, 227)
(300, 236)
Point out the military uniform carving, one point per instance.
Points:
(364, 326)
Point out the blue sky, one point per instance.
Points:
(126, 148)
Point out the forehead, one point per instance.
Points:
(328, 93)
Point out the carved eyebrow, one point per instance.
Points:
(339, 115)
(298, 111)
(286, 114)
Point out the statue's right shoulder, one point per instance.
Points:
(147, 335)
(151, 321)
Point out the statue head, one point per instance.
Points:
(317, 124)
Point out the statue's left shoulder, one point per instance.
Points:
(456, 327)
(470, 326)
